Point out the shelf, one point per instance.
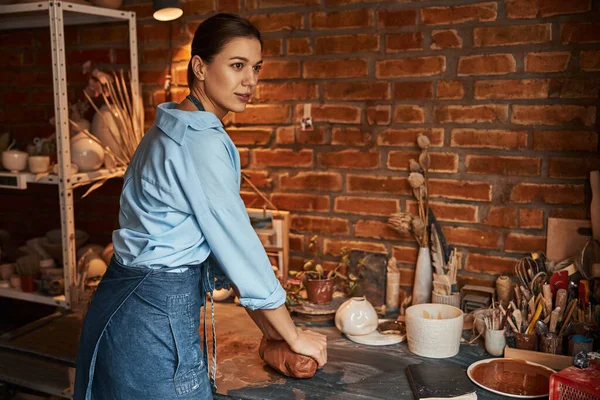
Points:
(35, 15)
(19, 180)
(34, 297)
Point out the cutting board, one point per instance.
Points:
(566, 237)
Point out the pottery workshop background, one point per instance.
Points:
(507, 92)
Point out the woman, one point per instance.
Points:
(182, 222)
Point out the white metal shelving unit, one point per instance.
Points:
(56, 15)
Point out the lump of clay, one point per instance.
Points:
(278, 355)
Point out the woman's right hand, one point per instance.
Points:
(311, 344)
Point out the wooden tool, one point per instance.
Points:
(535, 318)
(572, 306)
(561, 302)
(554, 319)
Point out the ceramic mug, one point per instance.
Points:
(495, 341)
(38, 164)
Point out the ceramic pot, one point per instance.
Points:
(423, 278)
(105, 129)
(551, 343)
(319, 291)
(356, 316)
(86, 153)
(434, 330)
(14, 160)
(526, 341)
(6, 271)
(38, 164)
(495, 342)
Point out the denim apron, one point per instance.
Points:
(140, 336)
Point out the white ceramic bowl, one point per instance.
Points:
(38, 164)
(14, 160)
(434, 330)
(74, 169)
(356, 316)
(86, 153)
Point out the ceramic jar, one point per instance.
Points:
(356, 316)
(495, 342)
(86, 153)
(14, 160)
(39, 164)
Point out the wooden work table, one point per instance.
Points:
(353, 371)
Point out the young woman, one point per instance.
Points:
(182, 222)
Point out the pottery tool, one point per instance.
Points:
(518, 320)
(561, 302)
(559, 280)
(535, 318)
(547, 293)
(554, 319)
(572, 306)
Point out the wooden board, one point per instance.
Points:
(565, 238)
(554, 361)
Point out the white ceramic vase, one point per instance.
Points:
(356, 316)
(423, 278)
(86, 153)
(105, 129)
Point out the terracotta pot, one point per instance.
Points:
(526, 341)
(319, 291)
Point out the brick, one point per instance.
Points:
(446, 39)
(396, 18)
(377, 230)
(516, 242)
(347, 19)
(409, 114)
(413, 90)
(285, 135)
(10, 96)
(471, 114)
(277, 22)
(377, 184)
(260, 179)
(512, 89)
(571, 213)
(458, 14)
(450, 90)
(117, 33)
(244, 157)
(299, 46)
(490, 264)
(440, 162)
(547, 193)
(366, 205)
(379, 115)
(17, 39)
(347, 44)
(399, 42)
(489, 139)
(230, 6)
(300, 202)
(531, 218)
(460, 190)
(553, 115)
(280, 69)
(574, 32)
(519, 9)
(296, 243)
(318, 135)
(350, 137)
(480, 280)
(502, 217)
(567, 88)
(547, 62)
(19, 59)
(321, 225)
(198, 7)
(263, 114)
(496, 165)
(357, 91)
(405, 67)
(557, 7)
(354, 159)
(318, 181)
(334, 247)
(250, 136)
(275, 92)
(332, 113)
(487, 64)
(512, 35)
(447, 211)
(272, 48)
(565, 141)
(408, 137)
(287, 3)
(472, 237)
(572, 167)
(590, 60)
(348, 68)
(282, 158)
(405, 254)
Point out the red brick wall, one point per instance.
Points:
(507, 92)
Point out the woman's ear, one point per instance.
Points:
(199, 68)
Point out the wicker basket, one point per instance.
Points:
(452, 299)
(434, 330)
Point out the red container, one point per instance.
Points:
(27, 283)
(576, 384)
(319, 291)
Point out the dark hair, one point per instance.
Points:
(214, 33)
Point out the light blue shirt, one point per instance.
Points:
(181, 202)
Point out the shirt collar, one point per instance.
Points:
(175, 123)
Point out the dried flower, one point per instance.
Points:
(418, 226)
(423, 141)
(401, 222)
(425, 160)
(414, 166)
(416, 180)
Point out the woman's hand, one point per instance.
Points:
(311, 344)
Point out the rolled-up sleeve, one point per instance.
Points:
(213, 192)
